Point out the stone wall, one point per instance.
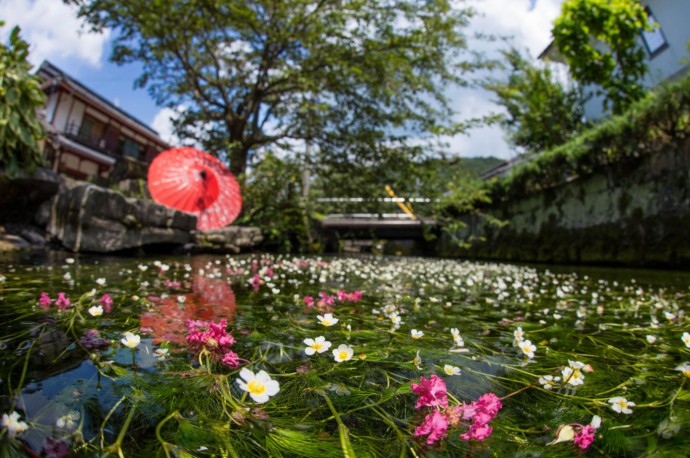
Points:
(631, 213)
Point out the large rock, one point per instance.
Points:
(95, 219)
(233, 239)
(22, 195)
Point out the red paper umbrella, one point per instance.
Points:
(195, 182)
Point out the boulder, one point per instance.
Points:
(89, 218)
(234, 239)
(22, 195)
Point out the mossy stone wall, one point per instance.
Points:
(635, 212)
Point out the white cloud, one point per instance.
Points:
(528, 23)
(53, 31)
(163, 125)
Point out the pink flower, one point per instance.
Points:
(477, 431)
(44, 301)
(231, 359)
(326, 299)
(584, 437)
(309, 301)
(435, 425)
(107, 302)
(481, 412)
(431, 392)
(256, 282)
(62, 302)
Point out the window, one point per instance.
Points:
(91, 130)
(130, 148)
(654, 40)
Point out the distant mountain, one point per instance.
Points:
(470, 167)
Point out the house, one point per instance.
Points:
(666, 47)
(88, 135)
(668, 58)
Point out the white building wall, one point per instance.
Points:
(673, 17)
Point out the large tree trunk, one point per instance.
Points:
(238, 162)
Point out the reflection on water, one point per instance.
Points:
(211, 300)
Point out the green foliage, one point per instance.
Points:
(273, 201)
(598, 39)
(659, 121)
(20, 96)
(256, 73)
(542, 113)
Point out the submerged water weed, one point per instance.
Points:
(279, 356)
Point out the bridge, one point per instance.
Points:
(357, 232)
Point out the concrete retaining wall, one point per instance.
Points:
(632, 213)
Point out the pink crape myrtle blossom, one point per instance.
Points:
(214, 338)
(584, 437)
(431, 392)
(256, 282)
(344, 296)
(435, 426)
(481, 412)
(62, 302)
(107, 303)
(231, 359)
(44, 301)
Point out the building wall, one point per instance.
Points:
(673, 17)
(631, 213)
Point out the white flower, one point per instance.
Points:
(130, 340)
(318, 345)
(621, 405)
(96, 310)
(67, 276)
(451, 370)
(12, 424)
(260, 386)
(651, 339)
(686, 339)
(547, 381)
(181, 299)
(527, 348)
(143, 267)
(519, 335)
(327, 319)
(68, 421)
(573, 373)
(684, 368)
(339, 389)
(343, 353)
(161, 353)
(101, 281)
(69, 260)
(416, 334)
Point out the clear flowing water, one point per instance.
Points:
(238, 356)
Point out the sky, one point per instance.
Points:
(56, 34)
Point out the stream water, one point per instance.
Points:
(361, 356)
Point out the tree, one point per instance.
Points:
(542, 112)
(599, 41)
(20, 96)
(256, 73)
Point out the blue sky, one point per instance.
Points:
(54, 33)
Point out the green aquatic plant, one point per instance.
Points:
(123, 358)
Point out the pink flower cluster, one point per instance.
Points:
(584, 437)
(172, 284)
(326, 301)
(481, 412)
(214, 338)
(433, 393)
(62, 302)
(106, 302)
